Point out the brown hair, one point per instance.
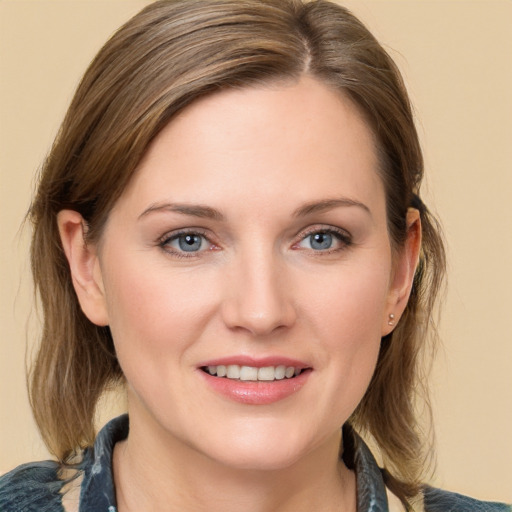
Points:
(170, 54)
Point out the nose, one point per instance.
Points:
(258, 296)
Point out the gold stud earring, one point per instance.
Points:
(391, 320)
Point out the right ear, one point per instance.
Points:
(84, 266)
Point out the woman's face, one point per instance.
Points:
(252, 241)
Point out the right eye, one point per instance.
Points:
(185, 243)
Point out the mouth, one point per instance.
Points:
(253, 373)
(250, 381)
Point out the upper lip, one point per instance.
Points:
(257, 362)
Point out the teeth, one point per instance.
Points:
(266, 373)
(279, 372)
(248, 373)
(233, 371)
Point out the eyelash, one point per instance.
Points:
(342, 236)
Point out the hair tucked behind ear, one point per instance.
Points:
(170, 54)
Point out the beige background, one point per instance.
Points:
(457, 60)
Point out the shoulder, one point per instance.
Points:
(436, 500)
(49, 487)
(32, 487)
(375, 496)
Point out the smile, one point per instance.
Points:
(253, 373)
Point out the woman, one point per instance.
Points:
(230, 219)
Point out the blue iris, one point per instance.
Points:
(190, 243)
(320, 241)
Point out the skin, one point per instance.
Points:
(259, 286)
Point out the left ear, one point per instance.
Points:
(404, 268)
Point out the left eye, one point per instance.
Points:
(323, 241)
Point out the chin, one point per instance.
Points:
(263, 447)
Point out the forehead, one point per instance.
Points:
(298, 140)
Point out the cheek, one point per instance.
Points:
(152, 311)
(351, 302)
(348, 321)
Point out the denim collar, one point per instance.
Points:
(97, 492)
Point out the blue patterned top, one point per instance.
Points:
(40, 486)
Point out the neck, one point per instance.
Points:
(154, 471)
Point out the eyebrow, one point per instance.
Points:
(329, 204)
(194, 210)
(207, 212)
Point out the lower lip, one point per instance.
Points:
(256, 393)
